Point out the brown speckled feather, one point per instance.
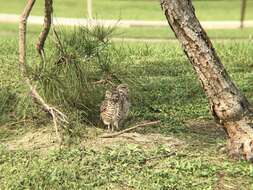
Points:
(115, 107)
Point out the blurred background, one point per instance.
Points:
(221, 18)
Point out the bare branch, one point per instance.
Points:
(46, 27)
(22, 36)
(56, 114)
(145, 124)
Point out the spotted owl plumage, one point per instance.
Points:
(114, 109)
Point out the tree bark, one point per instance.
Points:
(228, 105)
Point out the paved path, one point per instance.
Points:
(13, 18)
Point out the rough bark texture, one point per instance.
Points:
(228, 105)
(46, 26)
(56, 114)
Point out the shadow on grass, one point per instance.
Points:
(204, 133)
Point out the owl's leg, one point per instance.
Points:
(116, 124)
(108, 127)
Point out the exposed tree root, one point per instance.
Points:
(240, 143)
(55, 113)
(145, 124)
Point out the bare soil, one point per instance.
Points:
(44, 140)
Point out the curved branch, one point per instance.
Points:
(46, 27)
(56, 114)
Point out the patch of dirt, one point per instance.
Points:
(205, 128)
(146, 141)
(226, 183)
(44, 140)
(41, 139)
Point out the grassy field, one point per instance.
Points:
(129, 9)
(11, 30)
(187, 152)
(141, 9)
(165, 32)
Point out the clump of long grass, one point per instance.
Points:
(83, 63)
(15, 106)
(80, 65)
(7, 103)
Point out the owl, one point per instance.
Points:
(115, 107)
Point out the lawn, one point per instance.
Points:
(129, 9)
(11, 31)
(165, 32)
(141, 9)
(187, 152)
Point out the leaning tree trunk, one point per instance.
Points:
(228, 105)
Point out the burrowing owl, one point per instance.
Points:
(115, 107)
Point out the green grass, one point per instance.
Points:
(150, 10)
(123, 167)
(165, 32)
(11, 31)
(61, 7)
(163, 87)
(129, 9)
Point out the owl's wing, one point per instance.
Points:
(103, 106)
(126, 107)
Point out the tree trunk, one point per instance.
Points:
(243, 7)
(228, 105)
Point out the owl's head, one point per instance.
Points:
(123, 89)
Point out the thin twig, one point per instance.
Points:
(159, 156)
(99, 82)
(130, 129)
(102, 81)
